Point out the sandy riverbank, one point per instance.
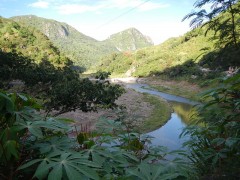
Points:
(137, 108)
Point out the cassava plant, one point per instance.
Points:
(33, 146)
(215, 140)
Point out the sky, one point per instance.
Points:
(158, 19)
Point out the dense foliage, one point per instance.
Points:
(60, 89)
(129, 40)
(222, 19)
(29, 42)
(81, 49)
(172, 52)
(215, 139)
(32, 146)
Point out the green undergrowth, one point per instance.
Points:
(160, 114)
(178, 91)
(187, 88)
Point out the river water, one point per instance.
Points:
(168, 134)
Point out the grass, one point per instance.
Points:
(178, 91)
(178, 87)
(160, 114)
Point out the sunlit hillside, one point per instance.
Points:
(28, 42)
(174, 51)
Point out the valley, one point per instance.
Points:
(83, 50)
(74, 107)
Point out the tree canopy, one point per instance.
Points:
(223, 19)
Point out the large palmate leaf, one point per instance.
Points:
(174, 169)
(60, 165)
(54, 144)
(37, 127)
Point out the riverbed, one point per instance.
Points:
(168, 134)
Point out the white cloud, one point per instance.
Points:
(76, 8)
(40, 4)
(151, 6)
(79, 7)
(138, 4)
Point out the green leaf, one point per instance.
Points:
(169, 175)
(97, 158)
(218, 141)
(11, 149)
(65, 120)
(146, 170)
(231, 141)
(130, 156)
(23, 97)
(158, 172)
(72, 174)
(42, 170)
(36, 131)
(9, 103)
(91, 173)
(30, 163)
(56, 173)
(136, 173)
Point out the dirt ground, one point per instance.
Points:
(136, 108)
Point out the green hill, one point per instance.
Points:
(174, 51)
(129, 40)
(81, 49)
(28, 42)
(213, 47)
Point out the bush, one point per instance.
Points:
(215, 140)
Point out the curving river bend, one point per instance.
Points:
(168, 134)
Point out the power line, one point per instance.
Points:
(130, 10)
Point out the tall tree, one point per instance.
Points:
(222, 18)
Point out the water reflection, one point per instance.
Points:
(168, 135)
(144, 88)
(184, 111)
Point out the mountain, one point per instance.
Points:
(81, 49)
(213, 47)
(28, 42)
(129, 40)
(146, 61)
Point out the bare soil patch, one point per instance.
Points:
(136, 108)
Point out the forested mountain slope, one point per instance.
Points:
(212, 44)
(129, 40)
(172, 52)
(81, 49)
(28, 42)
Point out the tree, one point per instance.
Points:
(222, 19)
(61, 89)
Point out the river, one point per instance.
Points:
(168, 134)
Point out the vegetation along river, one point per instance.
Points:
(168, 134)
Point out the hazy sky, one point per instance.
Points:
(159, 19)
